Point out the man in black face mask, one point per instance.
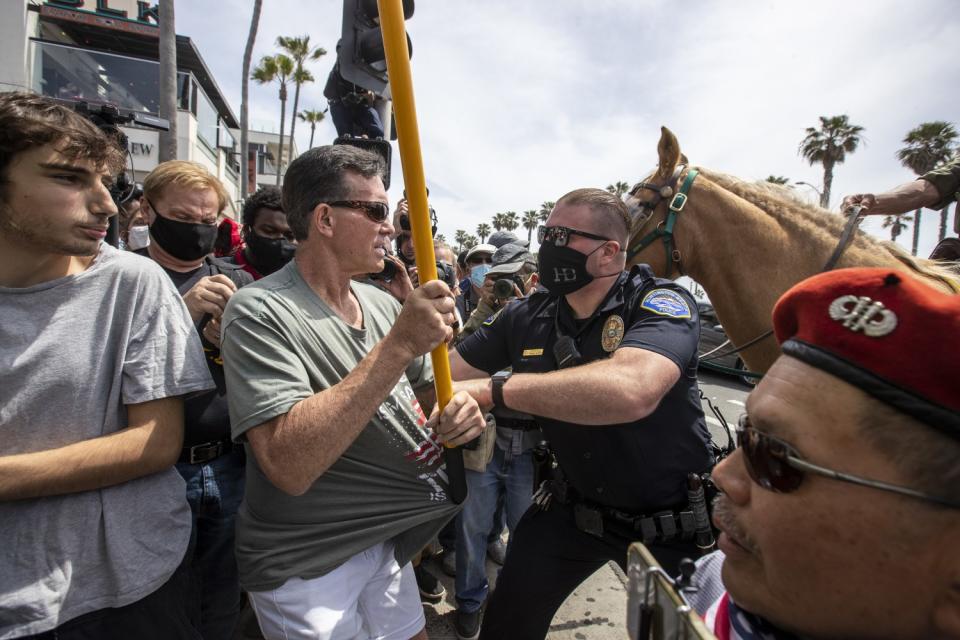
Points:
(269, 241)
(182, 201)
(605, 360)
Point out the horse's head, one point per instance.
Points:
(648, 203)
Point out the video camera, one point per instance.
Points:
(109, 118)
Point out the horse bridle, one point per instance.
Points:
(664, 230)
(665, 227)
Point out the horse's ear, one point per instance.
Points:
(669, 151)
(683, 159)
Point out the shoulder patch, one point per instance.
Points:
(489, 321)
(666, 302)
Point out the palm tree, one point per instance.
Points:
(244, 99)
(530, 220)
(313, 117)
(510, 220)
(829, 145)
(926, 146)
(498, 221)
(300, 51)
(896, 224)
(280, 68)
(168, 81)
(483, 230)
(619, 188)
(545, 210)
(440, 238)
(469, 241)
(460, 236)
(777, 180)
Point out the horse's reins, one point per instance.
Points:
(664, 231)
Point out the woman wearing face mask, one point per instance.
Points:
(269, 243)
(478, 260)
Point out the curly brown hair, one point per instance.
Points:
(28, 120)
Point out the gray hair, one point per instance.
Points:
(318, 176)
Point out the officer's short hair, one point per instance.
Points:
(318, 176)
(28, 120)
(611, 220)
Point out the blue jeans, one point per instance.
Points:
(214, 491)
(514, 476)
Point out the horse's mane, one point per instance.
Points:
(790, 211)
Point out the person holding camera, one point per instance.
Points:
(326, 379)
(605, 361)
(500, 468)
(513, 274)
(97, 351)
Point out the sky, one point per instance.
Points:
(521, 102)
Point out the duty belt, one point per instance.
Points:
(666, 525)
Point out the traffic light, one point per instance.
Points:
(361, 57)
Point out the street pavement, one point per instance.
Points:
(597, 609)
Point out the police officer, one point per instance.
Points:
(606, 361)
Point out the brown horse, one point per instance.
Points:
(745, 244)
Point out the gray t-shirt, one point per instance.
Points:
(283, 344)
(73, 352)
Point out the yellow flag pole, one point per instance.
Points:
(408, 136)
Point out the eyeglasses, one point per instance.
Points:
(776, 466)
(560, 236)
(376, 211)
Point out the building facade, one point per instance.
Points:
(107, 51)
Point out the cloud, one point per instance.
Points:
(521, 102)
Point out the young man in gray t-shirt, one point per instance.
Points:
(96, 347)
(345, 482)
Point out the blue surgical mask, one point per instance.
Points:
(478, 273)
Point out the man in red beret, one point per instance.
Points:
(840, 511)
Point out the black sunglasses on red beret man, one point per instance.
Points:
(777, 466)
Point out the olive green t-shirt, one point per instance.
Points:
(282, 344)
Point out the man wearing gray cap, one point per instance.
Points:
(513, 263)
(478, 262)
(501, 238)
(502, 461)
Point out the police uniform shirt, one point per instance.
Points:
(639, 466)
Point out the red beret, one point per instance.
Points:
(885, 332)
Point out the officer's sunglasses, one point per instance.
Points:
(776, 466)
(560, 236)
(376, 211)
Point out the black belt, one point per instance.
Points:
(200, 453)
(662, 525)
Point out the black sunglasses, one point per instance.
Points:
(376, 211)
(776, 466)
(560, 236)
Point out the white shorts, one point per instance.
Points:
(368, 596)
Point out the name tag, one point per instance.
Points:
(532, 352)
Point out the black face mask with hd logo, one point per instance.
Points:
(269, 254)
(563, 270)
(183, 240)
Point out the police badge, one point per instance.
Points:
(612, 333)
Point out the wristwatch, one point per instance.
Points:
(497, 381)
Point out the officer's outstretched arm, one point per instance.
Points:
(626, 387)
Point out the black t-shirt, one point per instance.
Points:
(206, 417)
(639, 466)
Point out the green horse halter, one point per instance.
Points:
(664, 229)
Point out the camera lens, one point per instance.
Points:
(503, 288)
